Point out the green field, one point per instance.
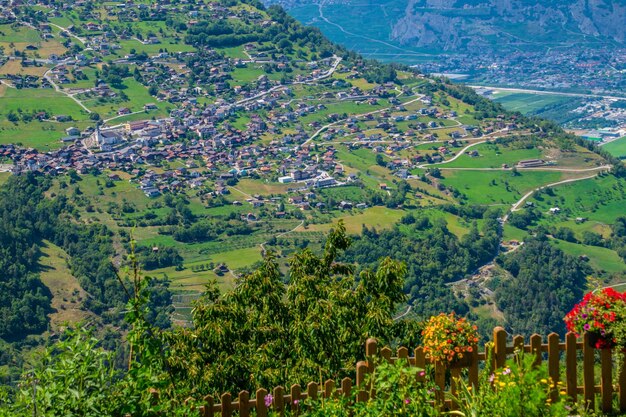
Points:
(527, 102)
(137, 94)
(35, 99)
(152, 49)
(497, 187)
(376, 217)
(600, 259)
(493, 156)
(348, 107)
(616, 148)
(187, 280)
(41, 135)
(20, 36)
(251, 73)
(513, 233)
(67, 294)
(599, 200)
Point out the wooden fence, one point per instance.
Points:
(562, 359)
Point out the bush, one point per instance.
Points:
(519, 389)
(398, 393)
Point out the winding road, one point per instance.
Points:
(78, 38)
(60, 90)
(323, 128)
(516, 206)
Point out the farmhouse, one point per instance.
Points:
(529, 163)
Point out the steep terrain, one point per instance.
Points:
(466, 25)
(576, 46)
(212, 135)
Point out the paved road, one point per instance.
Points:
(543, 169)
(122, 115)
(280, 87)
(321, 129)
(518, 204)
(540, 92)
(60, 90)
(78, 38)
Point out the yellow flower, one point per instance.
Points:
(544, 381)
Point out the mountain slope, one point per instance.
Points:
(466, 24)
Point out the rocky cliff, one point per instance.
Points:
(463, 24)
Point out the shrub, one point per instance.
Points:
(518, 389)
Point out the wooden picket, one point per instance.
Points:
(562, 369)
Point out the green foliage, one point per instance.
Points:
(73, 377)
(546, 285)
(398, 393)
(264, 333)
(160, 258)
(519, 389)
(29, 217)
(434, 256)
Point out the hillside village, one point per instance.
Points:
(217, 189)
(215, 132)
(201, 136)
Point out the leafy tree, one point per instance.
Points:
(545, 286)
(75, 376)
(264, 333)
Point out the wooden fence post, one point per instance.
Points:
(440, 382)
(455, 376)
(279, 400)
(403, 355)
(535, 348)
(329, 387)
(554, 356)
(622, 384)
(490, 359)
(295, 396)
(420, 362)
(361, 372)
(606, 380)
(385, 353)
(571, 377)
(346, 387)
(499, 340)
(261, 409)
(588, 379)
(244, 404)
(311, 390)
(226, 405)
(371, 347)
(518, 344)
(207, 409)
(473, 368)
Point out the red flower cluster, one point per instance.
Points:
(595, 314)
